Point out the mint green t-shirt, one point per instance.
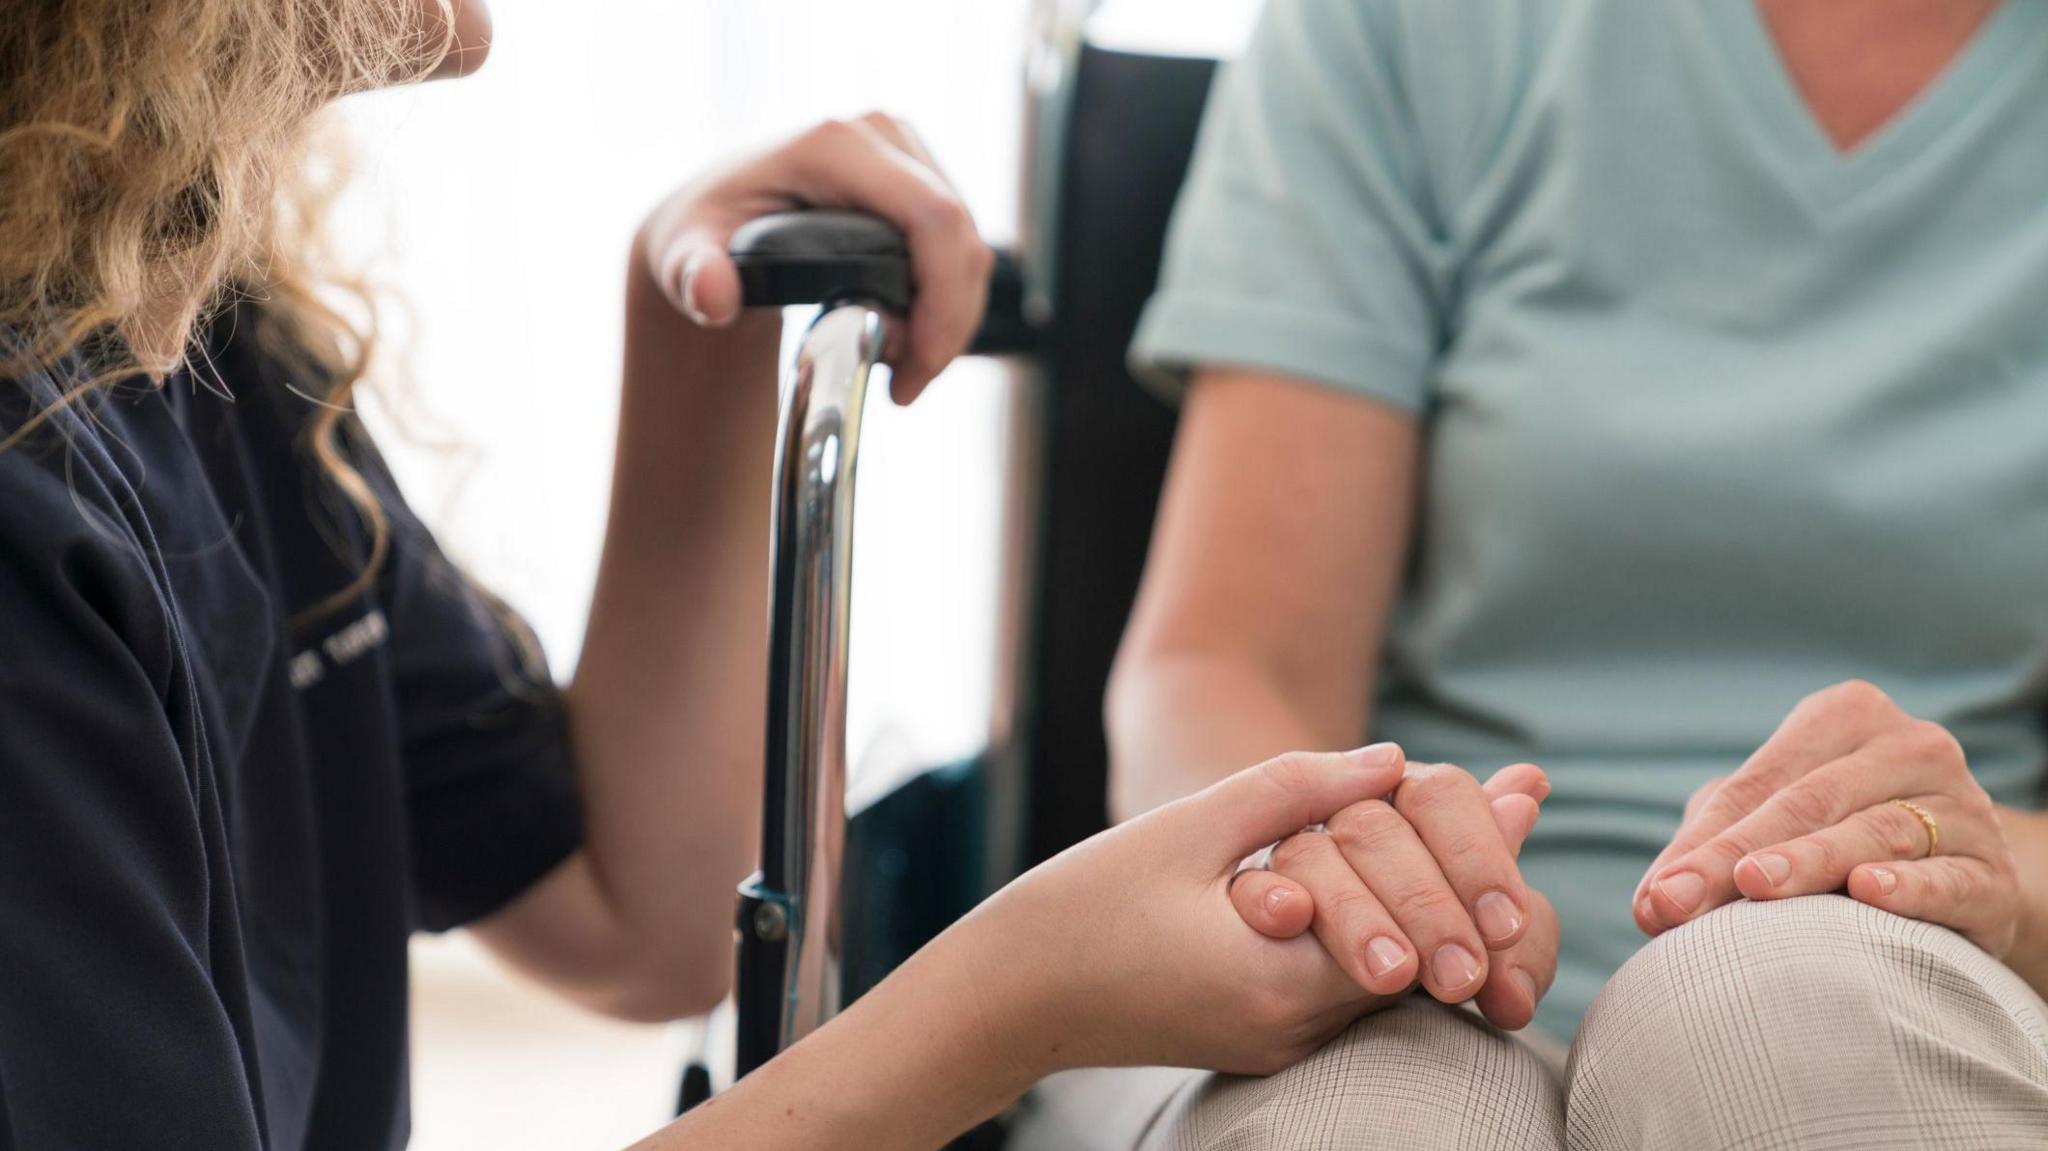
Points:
(1716, 415)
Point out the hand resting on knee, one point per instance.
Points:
(1421, 888)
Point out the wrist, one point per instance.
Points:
(1005, 1009)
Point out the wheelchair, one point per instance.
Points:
(837, 903)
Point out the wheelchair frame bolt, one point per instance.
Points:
(771, 922)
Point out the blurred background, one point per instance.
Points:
(502, 207)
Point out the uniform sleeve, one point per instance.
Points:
(491, 792)
(1305, 242)
(112, 1032)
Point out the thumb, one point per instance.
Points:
(1281, 796)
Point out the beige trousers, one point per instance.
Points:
(1804, 1024)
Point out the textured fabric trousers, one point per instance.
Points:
(1807, 1023)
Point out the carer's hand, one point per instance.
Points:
(1422, 887)
(875, 164)
(1126, 950)
(1810, 813)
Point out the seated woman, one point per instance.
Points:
(1655, 390)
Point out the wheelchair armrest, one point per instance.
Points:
(820, 256)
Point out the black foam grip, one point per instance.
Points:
(819, 256)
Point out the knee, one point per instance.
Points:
(1383, 1085)
(1753, 965)
(1796, 1012)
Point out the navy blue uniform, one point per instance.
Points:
(219, 825)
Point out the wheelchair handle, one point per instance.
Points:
(818, 257)
(858, 268)
(789, 929)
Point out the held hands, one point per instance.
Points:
(1421, 887)
(874, 164)
(1126, 950)
(1811, 812)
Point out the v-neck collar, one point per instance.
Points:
(1828, 174)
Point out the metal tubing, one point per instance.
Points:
(789, 975)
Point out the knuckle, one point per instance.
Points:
(1362, 825)
(1428, 789)
(1291, 853)
(1824, 854)
(1432, 910)
(1899, 833)
(1291, 774)
(1717, 855)
(1859, 695)
(938, 210)
(1742, 792)
(833, 132)
(1934, 743)
(1813, 802)
(1353, 905)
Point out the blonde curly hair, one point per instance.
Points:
(157, 163)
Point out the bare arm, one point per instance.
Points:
(1173, 977)
(667, 710)
(1281, 540)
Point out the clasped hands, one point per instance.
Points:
(1420, 887)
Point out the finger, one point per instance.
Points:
(1382, 847)
(1519, 779)
(1522, 975)
(1351, 923)
(1279, 797)
(903, 136)
(1699, 798)
(1448, 809)
(697, 276)
(1822, 861)
(851, 164)
(1273, 905)
(1824, 727)
(1691, 884)
(1680, 841)
(1515, 815)
(1956, 891)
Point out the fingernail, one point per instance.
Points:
(1886, 881)
(1775, 868)
(1526, 982)
(1683, 890)
(1377, 755)
(686, 285)
(1644, 911)
(1275, 898)
(1497, 917)
(1383, 955)
(1454, 966)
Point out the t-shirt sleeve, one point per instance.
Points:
(1305, 242)
(113, 1029)
(491, 790)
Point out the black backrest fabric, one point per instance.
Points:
(1128, 142)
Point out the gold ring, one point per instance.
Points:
(1926, 820)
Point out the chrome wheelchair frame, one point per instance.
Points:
(1108, 135)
